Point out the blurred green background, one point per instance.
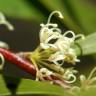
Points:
(26, 16)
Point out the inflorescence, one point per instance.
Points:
(54, 54)
(55, 49)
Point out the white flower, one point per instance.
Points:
(62, 45)
(47, 34)
(64, 50)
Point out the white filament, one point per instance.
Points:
(54, 12)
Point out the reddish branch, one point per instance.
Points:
(28, 67)
(18, 61)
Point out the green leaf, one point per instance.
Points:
(29, 87)
(87, 46)
(90, 92)
(19, 9)
(85, 12)
(3, 89)
(33, 87)
(80, 15)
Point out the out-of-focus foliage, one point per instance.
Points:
(87, 46)
(79, 16)
(19, 9)
(33, 88)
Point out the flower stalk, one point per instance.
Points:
(20, 62)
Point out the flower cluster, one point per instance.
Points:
(62, 43)
(55, 48)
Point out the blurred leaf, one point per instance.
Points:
(29, 87)
(33, 87)
(87, 46)
(90, 92)
(19, 9)
(86, 14)
(80, 16)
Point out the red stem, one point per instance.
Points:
(18, 61)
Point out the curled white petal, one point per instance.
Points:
(47, 35)
(2, 61)
(43, 34)
(62, 44)
(80, 36)
(52, 25)
(44, 46)
(45, 71)
(5, 22)
(48, 25)
(52, 37)
(70, 76)
(57, 57)
(56, 30)
(4, 45)
(69, 32)
(10, 26)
